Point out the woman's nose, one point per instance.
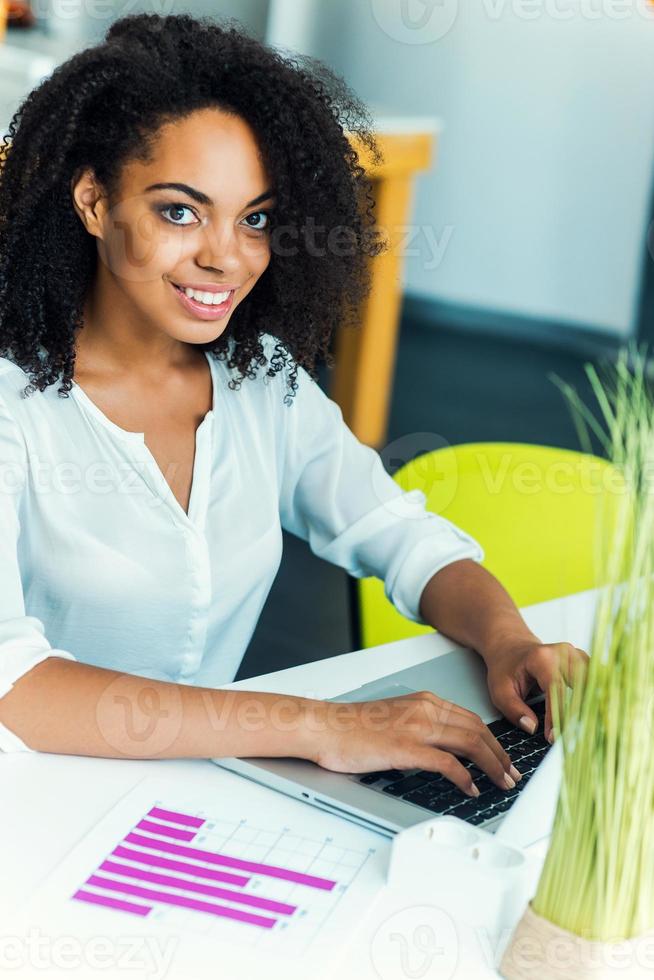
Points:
(219, 248)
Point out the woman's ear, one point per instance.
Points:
(88, 200)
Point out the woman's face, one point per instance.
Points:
(212, 234)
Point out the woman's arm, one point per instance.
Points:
(467, 603)
(74, 708)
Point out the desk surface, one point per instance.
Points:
(34, 784)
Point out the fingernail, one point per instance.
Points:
(475, 790)
(528, 724)
(515, 773)
(509, 782)
(550, 736)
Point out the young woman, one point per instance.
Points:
(183, 223)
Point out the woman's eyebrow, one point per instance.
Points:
(203, 198)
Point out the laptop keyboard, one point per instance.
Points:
(436, 793)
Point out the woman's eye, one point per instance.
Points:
(258, 214)
(175, 207)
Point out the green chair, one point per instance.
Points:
(535, 510)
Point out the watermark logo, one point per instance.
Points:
(61, 13)
(568, 10)
(415, 21)
(42, 953)
(416, 942)
(432, 476)
(141, 724)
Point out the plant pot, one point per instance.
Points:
(541, 950)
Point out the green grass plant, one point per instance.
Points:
(598, 877)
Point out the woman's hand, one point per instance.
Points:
(417, 730)
(467, 603)
(513, 672)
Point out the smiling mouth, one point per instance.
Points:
(204, 311)
(182, 289)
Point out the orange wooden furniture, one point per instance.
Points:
(4, 16)
(362, 378)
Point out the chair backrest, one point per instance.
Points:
(542, 515)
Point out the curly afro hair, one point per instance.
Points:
(103, 107)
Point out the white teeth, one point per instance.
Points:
(209, 299)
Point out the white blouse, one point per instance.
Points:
(100, 563)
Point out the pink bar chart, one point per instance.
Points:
(159, 864)
(212, 862)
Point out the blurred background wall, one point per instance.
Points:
(540, 197)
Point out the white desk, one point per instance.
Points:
(42, 783)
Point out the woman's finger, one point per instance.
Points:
(472, 744)
(437, 760)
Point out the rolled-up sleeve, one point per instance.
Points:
(23, 643)
(337, 496)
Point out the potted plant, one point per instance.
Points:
(593, 911)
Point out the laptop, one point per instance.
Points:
(388, 801)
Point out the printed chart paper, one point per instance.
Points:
(237, 875)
